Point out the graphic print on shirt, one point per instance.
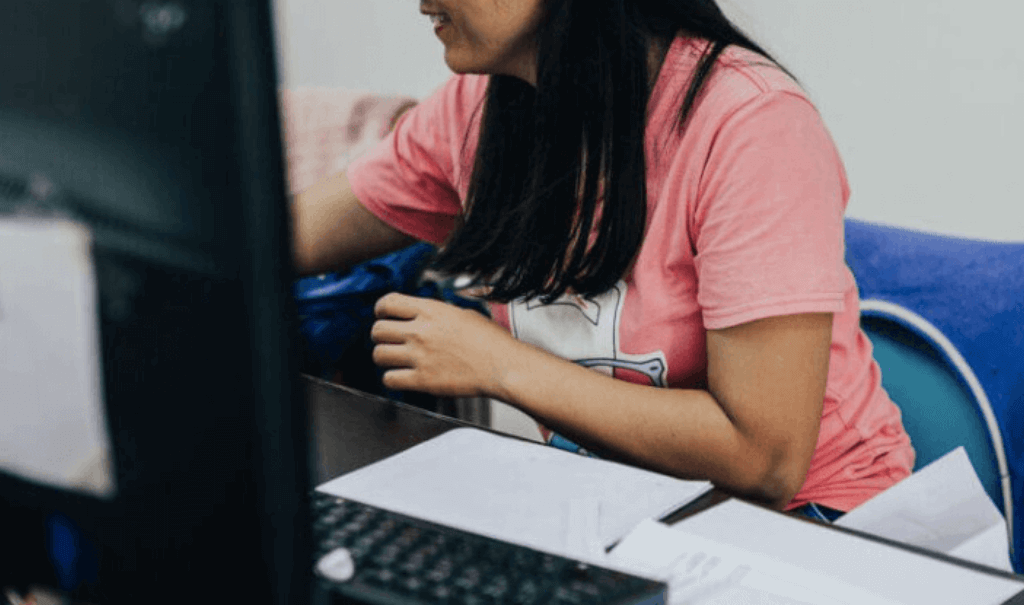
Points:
(586, 331)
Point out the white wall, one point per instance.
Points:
(923, 97)
(384, 46)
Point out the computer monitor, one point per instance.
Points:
(154, 123)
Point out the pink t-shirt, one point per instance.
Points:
(745, 215)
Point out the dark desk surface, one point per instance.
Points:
(351, 429)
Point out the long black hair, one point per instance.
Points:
(557, 198)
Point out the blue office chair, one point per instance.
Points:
(946, 318)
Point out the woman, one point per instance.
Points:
(644, 192)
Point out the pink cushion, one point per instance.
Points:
(325, 128)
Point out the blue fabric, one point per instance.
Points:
(75, 559)
(972, 291)
(336, 309)
(819, 512)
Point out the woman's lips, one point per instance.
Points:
(439, 21)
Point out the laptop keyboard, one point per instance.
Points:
(402, 560)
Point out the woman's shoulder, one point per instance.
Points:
(459, 102)
(739, 77)
(460, 92)
(447, 121)
(740, 67)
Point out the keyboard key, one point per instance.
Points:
(442, 592)
(387, 554)
(497, 587)
(441, 570)
(413, 584)
(468, 578)
(380, 577)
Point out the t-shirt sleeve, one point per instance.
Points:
(768, 219)
(411, 179)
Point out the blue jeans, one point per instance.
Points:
(819, 512)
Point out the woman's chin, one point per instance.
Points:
(456, 65)
(460, 63)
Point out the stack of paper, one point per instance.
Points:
(739, 553)
(700, 571)
(941, 507)
(517, 491)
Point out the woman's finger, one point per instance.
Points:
(392, 356)
(403, 379)
(387, 331)
(397, 306)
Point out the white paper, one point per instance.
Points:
(583, 528)
(702, 572)
(891, 573)
(941, 507)
(987, 548)
(516, 491)
(52, 418)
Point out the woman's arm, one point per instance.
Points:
(332, 230)
(752, 432)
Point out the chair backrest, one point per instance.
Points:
(946, 315)
(939, 411)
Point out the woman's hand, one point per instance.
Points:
(433, 347)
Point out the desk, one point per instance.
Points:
(351, 429)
